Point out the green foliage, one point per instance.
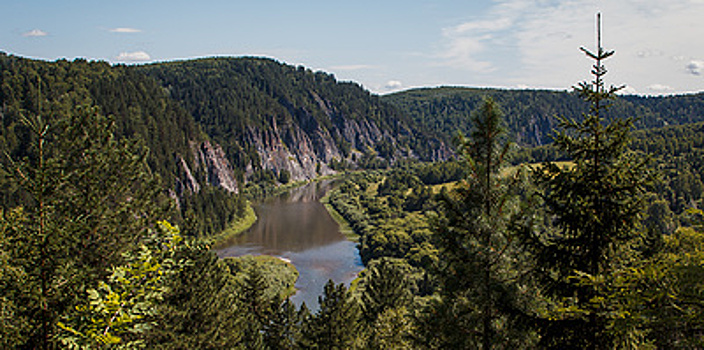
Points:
(211, 210)
(139, 110)
(595, 208)
(474, 240)
(529, 113)
(280, 275)
(200, 309)
(384, 286)
(235, 99)
(86, 197)
(13, 325)
(284, 328)
(120, 308)
(336, 323)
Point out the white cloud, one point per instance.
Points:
(628, 90)
(137, 56)
(469, 45)
(536, 42)
(125, 30)
(660, 88)
(35, 33)
(393, 84)
(695, 67)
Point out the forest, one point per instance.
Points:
(556, 220)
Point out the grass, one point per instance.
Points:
(530, 166)
(236, 228)
(345, 227)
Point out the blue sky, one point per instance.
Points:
(385, 45)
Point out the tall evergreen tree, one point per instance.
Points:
(86, 198)
(256, 307)
(477, 274)
(595, 207)
(201, 309)
(283, 329)
(384, 288)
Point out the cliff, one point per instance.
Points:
(271, 117)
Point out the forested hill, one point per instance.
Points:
(138, 105)
(529, 114)
(279, 118)
(213, 125)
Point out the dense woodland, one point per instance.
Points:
(530, 114)
(501, 246)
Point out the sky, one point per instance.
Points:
(384, 45)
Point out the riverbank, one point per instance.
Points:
(296, 228)
(345, 227)
(236, 228)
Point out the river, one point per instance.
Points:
(295, 226)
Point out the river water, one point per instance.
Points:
(295, 226)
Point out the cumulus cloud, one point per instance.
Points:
(125, 30)
(35, 33)
(393, 84)
(695, 67)
(137, 56)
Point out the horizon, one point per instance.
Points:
(384, 47)
(469, 87)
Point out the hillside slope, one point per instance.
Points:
(269, 116)
(529, 114)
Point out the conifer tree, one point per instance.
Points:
(336, 324)
(478, 274)
(201, 309)
(384, 288)
(256, 308)
(86, 198)
(283, 329)
(594, 207)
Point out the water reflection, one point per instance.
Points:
(295, 226)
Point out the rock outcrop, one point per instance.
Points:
(211, 160)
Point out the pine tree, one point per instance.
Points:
(201, 309)
(283, 329)
(256, 308)
(477, 276)
(336, 324)
(595, 208)
(383, 288)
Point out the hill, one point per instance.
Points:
(213, 126)
(269, 116)
(529, 114)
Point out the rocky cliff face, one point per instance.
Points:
(271, 116)
(305, 148)
(209, 160)
(289, 148)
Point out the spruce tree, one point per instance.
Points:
(283, 329)
(594, 207)
(383, 288)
